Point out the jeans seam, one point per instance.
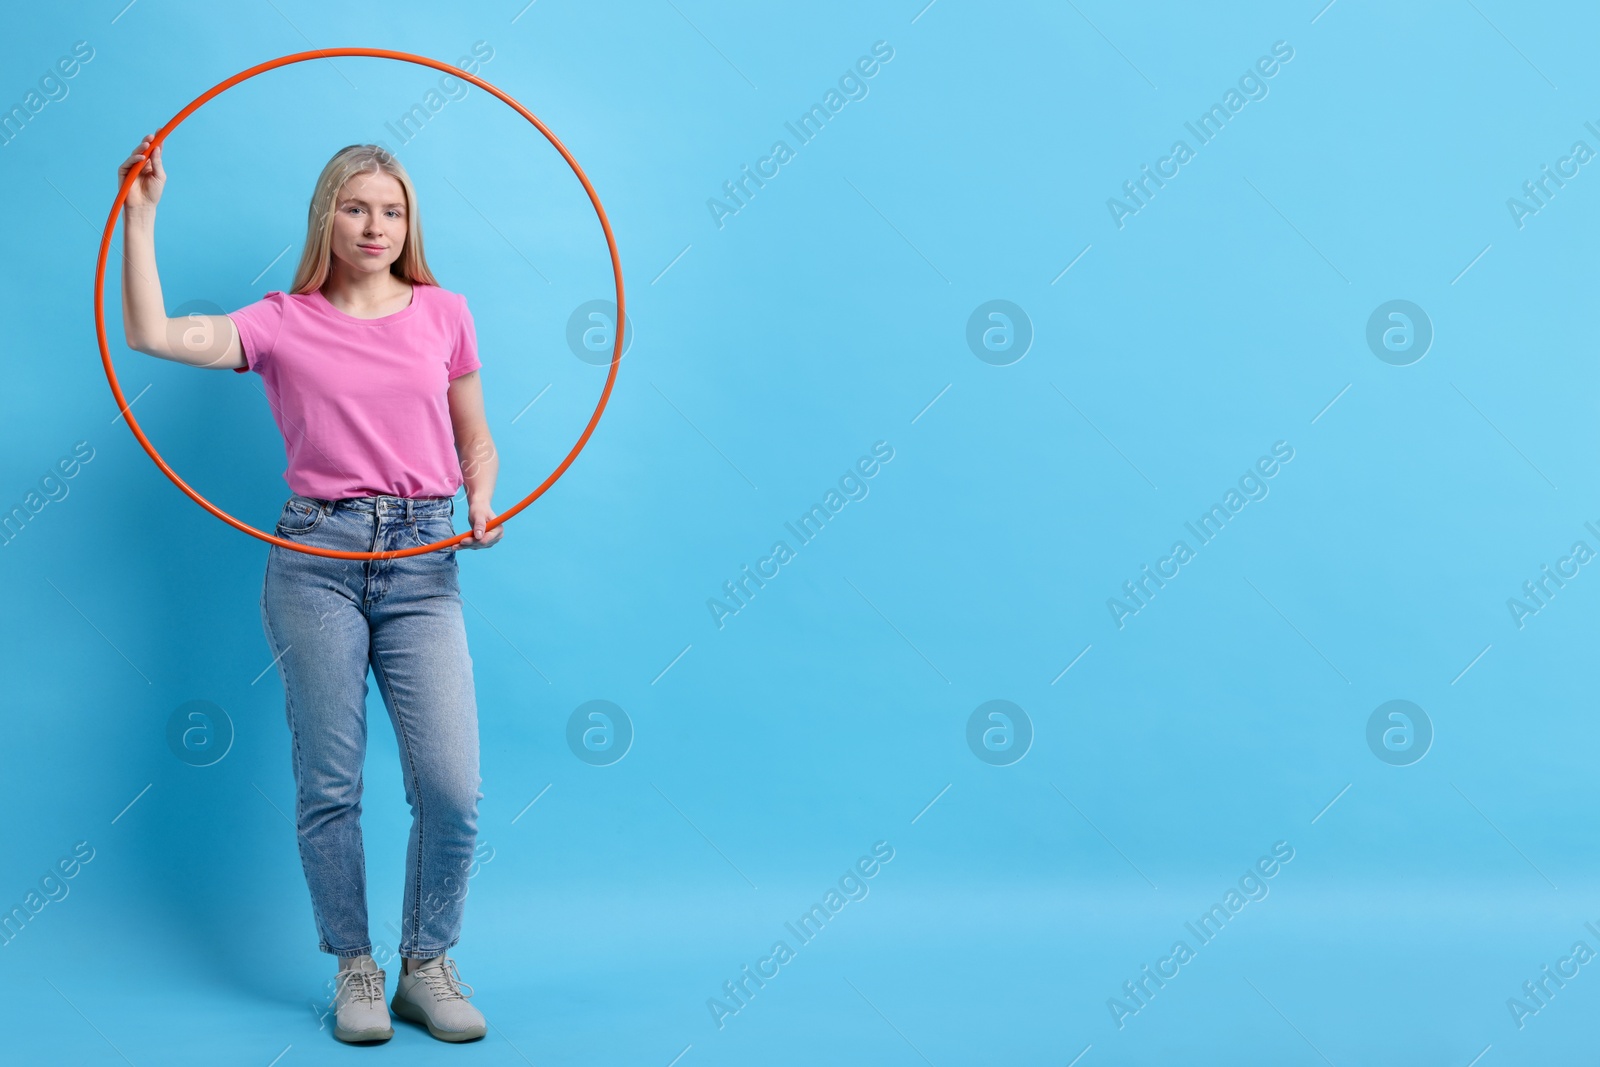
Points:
(294, 749)
(416, 791)
(301, 841)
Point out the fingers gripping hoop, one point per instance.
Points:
(301, 57)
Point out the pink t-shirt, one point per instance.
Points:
(362, 404)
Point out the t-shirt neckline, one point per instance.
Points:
(345, 316)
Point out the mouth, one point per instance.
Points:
(373, 250)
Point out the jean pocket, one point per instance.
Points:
(299, 517)
(430, 529)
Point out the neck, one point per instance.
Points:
(362, 288)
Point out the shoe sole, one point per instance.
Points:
(405, 1010)
(370, 1036)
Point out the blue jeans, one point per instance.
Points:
(327, 621)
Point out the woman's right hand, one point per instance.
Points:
(146, 189)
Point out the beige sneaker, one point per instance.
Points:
(431, 995)
(360, 1015)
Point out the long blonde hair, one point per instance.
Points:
(411, 266)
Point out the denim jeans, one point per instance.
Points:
(328, 620)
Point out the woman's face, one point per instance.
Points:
(369, 221)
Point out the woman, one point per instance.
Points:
(371, 373)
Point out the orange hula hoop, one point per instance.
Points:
(301, 57)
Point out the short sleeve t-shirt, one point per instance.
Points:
(363, 404)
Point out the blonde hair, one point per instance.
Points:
(349, 161)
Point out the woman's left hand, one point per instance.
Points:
(479, 515)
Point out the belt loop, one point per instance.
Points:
(408, 509)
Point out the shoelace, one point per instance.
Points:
(444, 984)
(363, 985)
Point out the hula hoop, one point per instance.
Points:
(301, 57)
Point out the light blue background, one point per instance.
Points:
(769, 754)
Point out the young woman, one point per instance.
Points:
(371, 373)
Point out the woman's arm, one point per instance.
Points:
(198, 340)
(480, 464)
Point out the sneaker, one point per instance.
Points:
(431, 995)
(360, 1014)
